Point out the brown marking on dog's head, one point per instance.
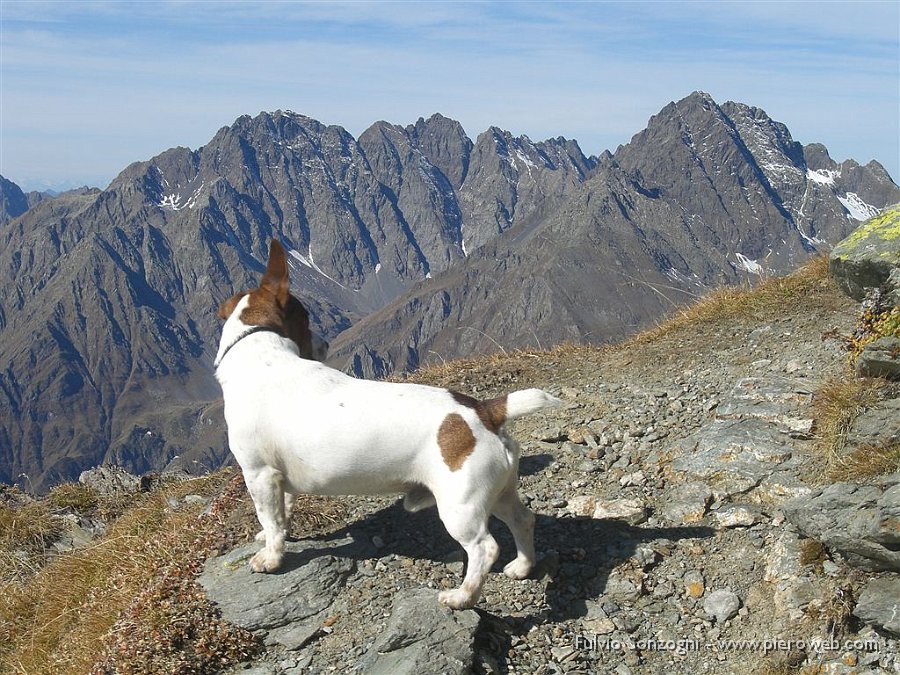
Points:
(492, 412)
(456, 441)
(272, 305)
(227, 307)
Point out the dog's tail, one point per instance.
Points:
(527, 401)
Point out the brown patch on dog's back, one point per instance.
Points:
(492, 412)
(456, 441)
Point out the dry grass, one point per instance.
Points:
(866, 462)
(810, 285)
(837, 404)
(74, 497)
(55, 622)
(129, 603)
(733, 303)
(25, 534)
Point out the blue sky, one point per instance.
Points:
(88, 87)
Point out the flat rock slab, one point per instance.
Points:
(733, 456)
(307, 584)
(421, 636)
(862, 522)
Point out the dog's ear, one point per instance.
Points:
(276, 277)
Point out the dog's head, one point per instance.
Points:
(272, 305)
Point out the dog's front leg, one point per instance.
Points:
(286, 525)
(268, 497)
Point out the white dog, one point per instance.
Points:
(297, 426)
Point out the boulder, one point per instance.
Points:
(110, 481)
(879, 604)
(862, 522)
(867, 257)
(722, 605)
(878, 425)
(288, 606)
(421, 636)
(880, 358)
(687, 502)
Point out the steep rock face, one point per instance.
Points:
(747, 183)
(870, 257)
(611, 259)
(511, 180)
(13, 202)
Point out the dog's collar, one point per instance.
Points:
(250, 331)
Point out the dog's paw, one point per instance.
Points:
(518, 569)
(457, 599)
(264, 561)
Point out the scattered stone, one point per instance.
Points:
(589, 466)
(738, 515)
(632, 511)
(792, 596)
(879, 604)
(645, 555)
(621, 587)
(603, 626)
(632, 479)
(549, 435)
(583, 436)
(783, 558)
(694, 584)
(687, 502)
(722, 605)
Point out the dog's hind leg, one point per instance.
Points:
(520, 521)
(468, 525)
(418, 497)
(265, 488)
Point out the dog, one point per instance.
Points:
(297, 426)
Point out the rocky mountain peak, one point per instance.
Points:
(13, 202)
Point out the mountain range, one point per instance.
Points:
(409, 245)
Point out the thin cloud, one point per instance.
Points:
(154, 75)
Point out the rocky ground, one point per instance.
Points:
(681, 507)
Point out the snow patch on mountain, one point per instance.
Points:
(750, 265)
(856, 207)
(823, 177)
